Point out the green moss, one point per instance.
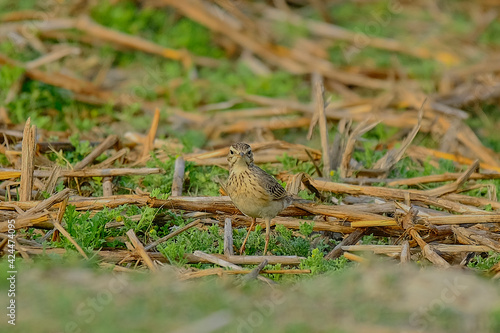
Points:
(491, 35)
(485, 262)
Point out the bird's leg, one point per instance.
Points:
(268, 229)
(242, 249)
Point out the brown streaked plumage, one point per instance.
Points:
(253, 191)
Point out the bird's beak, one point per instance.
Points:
(242, 154)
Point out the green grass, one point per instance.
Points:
(491, 35)
(90, 233)
(484, 262)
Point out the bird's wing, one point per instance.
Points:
(275, 190)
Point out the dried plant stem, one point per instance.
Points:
(354, 257)
(7, 174)
(221, 271)
(107, 186)
(27, 161)
(58, 226)
(428, 251)
(353, 238)
(228, 264)
(141, 251)
(115, 256)
(228, 237)
(178, 181)
(393, 194)
(436, 179)
(101, 148)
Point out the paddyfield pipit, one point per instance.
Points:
(252, 190)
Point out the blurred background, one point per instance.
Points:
(223, 71)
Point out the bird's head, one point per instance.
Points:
(240, 155)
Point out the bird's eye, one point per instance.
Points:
(231, 152)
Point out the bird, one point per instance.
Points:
(253, 191)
